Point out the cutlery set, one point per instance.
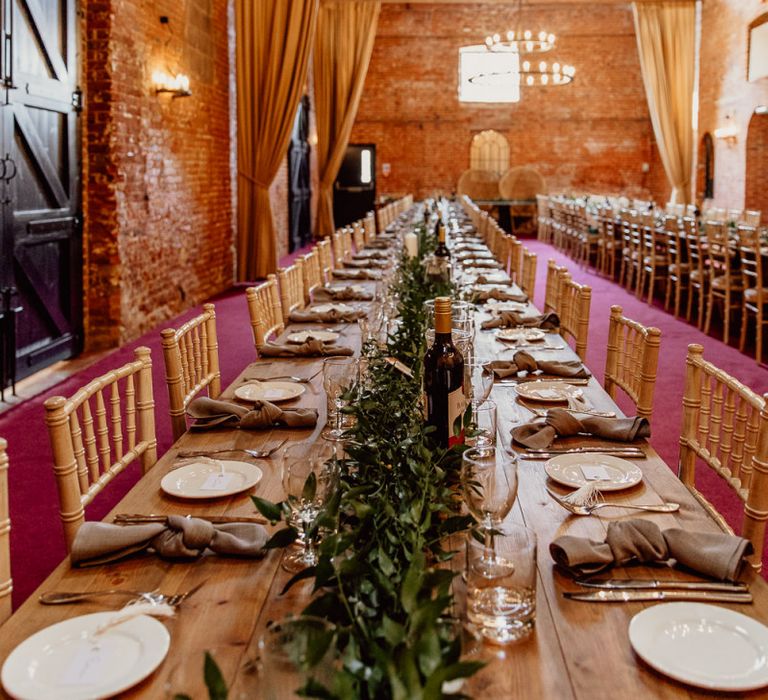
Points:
(65, 597)
(612, 590)
(628, 452)
(256, 454)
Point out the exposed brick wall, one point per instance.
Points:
(157, 207)
(756, 196)
(725, 92)
(592, 135)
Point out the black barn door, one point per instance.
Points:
(41, 264)
(300, 189)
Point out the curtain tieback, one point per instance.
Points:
(254, 181)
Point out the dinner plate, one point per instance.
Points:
(206, 480)
(606, 472)
(327, 308)
(517, 335)
(300, 337)
(704, 645)
(62, 661)
(269, 391)
(545, 391)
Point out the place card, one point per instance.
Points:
(217, 482)
(595, 472)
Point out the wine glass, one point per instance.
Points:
(483, 426)
(478, 379)
(310, 476)
(339, 374)
(489, 481)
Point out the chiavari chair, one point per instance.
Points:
(264, 311)
(369, 227)
(313, 274)
(337, 238)
(653, 254)
(698, 277)
(755, 295)
(552, 289)
(290, 281)
(632, 360)
(575, 301)
(346, 243)
(528, 272)
(725, 426)
(191, 356)
(678, 264)
(6, 583)
(725, 283)
(606, 243)
(325, 255)
(629, 251)
(92, 445)
(543, 218)
(752, 217)
(514, 258)
(358, 235)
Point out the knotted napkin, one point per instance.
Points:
(379, 243)
(513, 319)
(212, 413)
(368, 254)
(480, 296)
(177, 538)
(357, 274)
(311, 348)
(524, 362)
(482, 279)
(716, 555)
(341, 294)
(366, 263)
(331, 316)
(540, 434)
(482, 262)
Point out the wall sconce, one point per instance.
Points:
(174, 85)
(728, 132)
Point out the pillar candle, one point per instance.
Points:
(411, 244)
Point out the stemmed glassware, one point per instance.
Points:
(310, 476)
(478, 379)
(339, 375)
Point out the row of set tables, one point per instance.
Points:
(577, 650)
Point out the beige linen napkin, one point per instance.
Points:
(178, 538)
(311, 348)
(513, 319)
(211, 413)
(333, 316)
(482, 279)
(716, 555)
(524, 362)
(357, 274)
(540, 434)
(480, 296)
(366, 263)
(371, 254)
(341, 294)
(487, 263)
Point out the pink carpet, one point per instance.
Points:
(37, 543)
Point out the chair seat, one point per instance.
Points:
(751, 294)
(720, 283)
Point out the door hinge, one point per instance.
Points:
(77, 100)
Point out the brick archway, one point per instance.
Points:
(756, 193)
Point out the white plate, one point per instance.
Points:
(300, 337)
(704, 645)
(614, 473)
(517, 335)
(58, 661)
(269, 391)
(202, 480)
(548, 392)
(327, 308)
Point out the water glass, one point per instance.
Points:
(460, 310)
(501, 585)
(461, 339)
(293, 652)
(482, 432)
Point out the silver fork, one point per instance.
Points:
(588, 510)
(63, 597)
(293, 378)
(258, 454)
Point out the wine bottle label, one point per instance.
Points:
(457, 402)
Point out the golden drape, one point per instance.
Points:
(343, 45)
(666, 44)
(274, 44)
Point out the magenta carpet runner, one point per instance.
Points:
(37, 542)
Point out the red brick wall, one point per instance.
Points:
(593, 135)
(725, 93)
(756, 191)
(158, 224)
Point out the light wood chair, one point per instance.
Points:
(337, 238)
(346, 243)
(369, 227)
(358, 235)
(191, 356)
(290, 281)
(552, 288)
(752, 217)
(678, 264)
(725, 283)
(514, 258)
(6, 583)
(528, 272)
(725, 426)
(265, 311)
(606, 243)
(313, 274)
(575, 302)
(325, 253)
(653, 258)
(632, 360)
(755, 295)
(92, 444)
(698, 277)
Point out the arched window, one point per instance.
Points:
(707, 165)
(489, 152)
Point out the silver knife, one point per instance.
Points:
(637, 596)
(576, 381)
(655, 584)
(550, 455)
(600, 449)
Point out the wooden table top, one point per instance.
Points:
(578, 650)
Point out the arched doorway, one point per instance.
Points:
(756, 193)
(705, 180)
(490, 152)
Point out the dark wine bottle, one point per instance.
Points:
(444, 399)
(441, 251)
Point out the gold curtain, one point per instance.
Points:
(666, 43)
(346, 31)
(274, 44)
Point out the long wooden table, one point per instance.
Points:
(578, 650)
